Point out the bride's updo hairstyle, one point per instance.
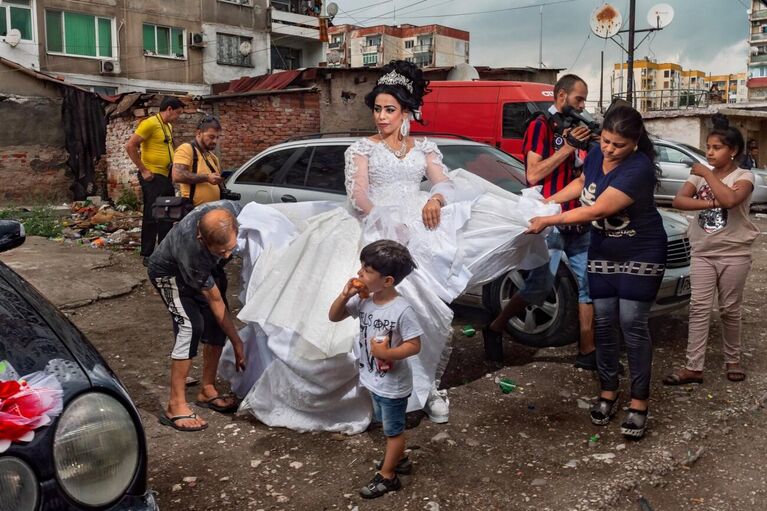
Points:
(731, 137)
(405, 81)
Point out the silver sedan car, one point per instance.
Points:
(312, 168)
(675, 160)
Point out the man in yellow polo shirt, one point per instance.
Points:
(150, 148)
(201, 183)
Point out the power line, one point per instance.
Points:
(470, 13)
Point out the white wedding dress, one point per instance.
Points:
(301, 370)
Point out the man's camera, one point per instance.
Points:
(570, 118)
(227, 194)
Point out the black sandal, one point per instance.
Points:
(604, 410)
(635, 423)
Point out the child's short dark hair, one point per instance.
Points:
(388, 258)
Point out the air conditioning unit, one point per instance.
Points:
(109, 67)
(197, 40)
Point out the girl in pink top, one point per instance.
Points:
(720, 239)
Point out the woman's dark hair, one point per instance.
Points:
(731, 137)
(408, 100)
(627, 122)
(208, 122)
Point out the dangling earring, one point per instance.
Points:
(732, 157)
(404, 128)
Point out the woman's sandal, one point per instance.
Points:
(635, 423)
(736, 374)
(676, 378)
(603, 410)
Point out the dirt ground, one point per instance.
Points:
(705, 448)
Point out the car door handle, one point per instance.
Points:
(288, 198)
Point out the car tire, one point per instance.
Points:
(555, 323)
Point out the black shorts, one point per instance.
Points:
(193, 320)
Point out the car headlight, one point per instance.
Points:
(18, 485)
(95, 449)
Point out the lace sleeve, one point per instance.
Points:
(356, 172)
(436, 171)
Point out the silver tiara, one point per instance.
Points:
(394, 78)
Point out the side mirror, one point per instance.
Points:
(12, 234)
(687, 162)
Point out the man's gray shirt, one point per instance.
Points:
(183, 255)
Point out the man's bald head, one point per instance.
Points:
(218, 226)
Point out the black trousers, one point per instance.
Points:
(152, 231)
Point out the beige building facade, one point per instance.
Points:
(427, 46)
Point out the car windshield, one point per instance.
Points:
(486, 162)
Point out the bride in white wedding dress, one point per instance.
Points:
(302, 373)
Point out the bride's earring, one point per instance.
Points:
(404, 128)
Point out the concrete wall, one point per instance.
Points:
(33, 161)
(342, 101)
(217, 73)
(690, 130)
(15, 82)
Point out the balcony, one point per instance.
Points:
(295, 25)
(758, 37)
(422, 48)
(336, 45)
(367, 50)
(758, 59)
(759, 15)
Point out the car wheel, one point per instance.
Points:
(554, 323)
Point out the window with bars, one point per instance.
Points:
(16, 14)
(228, 50)
(163, 41)
(284, 57)
(72, 33)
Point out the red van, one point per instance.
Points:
(493, 112)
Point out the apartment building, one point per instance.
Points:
(757, 59)
(169, 46)
(427, 46)
(666, 85)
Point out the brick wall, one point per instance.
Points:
(250, 125)
(34, 173)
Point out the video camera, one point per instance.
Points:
(570, 118)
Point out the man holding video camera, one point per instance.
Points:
(550, 146)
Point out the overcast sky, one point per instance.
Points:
(709, 35)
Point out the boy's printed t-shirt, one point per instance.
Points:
(398, 320)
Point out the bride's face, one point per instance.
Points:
(388, 114)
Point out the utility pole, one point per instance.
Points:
(630, 85)
(540, 43)
(601, 77)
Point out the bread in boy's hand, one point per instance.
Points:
(361, 288)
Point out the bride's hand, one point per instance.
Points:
(432, 212)
(537, 224)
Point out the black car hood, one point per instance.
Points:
(35, 336)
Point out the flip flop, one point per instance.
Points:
(208, 403)
(675, 379)
(171, 422)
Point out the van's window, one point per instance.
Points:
(265, 170)
(327, 169)
(515, 116)
(488, 163)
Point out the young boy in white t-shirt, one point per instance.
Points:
(389, 334)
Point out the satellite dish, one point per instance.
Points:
(332, 10)
(13, 38)
(245, 48)
(660, 15)
(606, 21)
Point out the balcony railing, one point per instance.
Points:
(367, 50)
(297, 25)
(758, 37)
(422, 48)
(335, 45)
(759, 14)
(678, 99)
(755, 59)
